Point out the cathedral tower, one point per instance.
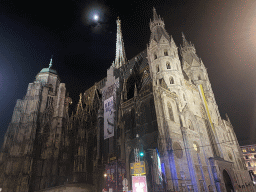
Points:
(120, 52)
(29, 156)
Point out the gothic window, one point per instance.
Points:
(190, 125)
(230, 156)
(162, 83)
(165, 52)
(177, 150)
(171, 80)
(199, 77)
(155, 56)
(170, 111)
(157, 68)
(168, 66)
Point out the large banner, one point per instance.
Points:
(139, 184)
(109, 117)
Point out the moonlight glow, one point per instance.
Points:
(96, 17)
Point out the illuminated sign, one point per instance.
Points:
(139, 184)
(138, 168)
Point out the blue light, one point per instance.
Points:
(141, 154)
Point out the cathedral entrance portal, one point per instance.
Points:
(227, 181)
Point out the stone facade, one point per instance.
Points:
(164, 106)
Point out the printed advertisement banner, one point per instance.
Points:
(139, 184)
(109, 117)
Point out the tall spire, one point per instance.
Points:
(155, 16)
(157, 28)
(185, 42)
(187, 45)
(120, 52)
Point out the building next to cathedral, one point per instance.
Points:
(152, 124)
(249, 154)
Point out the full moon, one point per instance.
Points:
(96, 17)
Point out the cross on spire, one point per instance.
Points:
(50, 64)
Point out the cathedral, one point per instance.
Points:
(152, 124)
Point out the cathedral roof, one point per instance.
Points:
(48, 70)
(157, 28)
(158, 33)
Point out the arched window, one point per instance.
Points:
(165, 52)
(170, 111)
(190, 125)
(171, 80)
(199, 77)
(249, 164)
(157, 68)
(168, 65)
(155, 56)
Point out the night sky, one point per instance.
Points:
(223, 33)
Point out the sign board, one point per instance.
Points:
(110, 190)
(112, 158)
(139, 184)
(138, 168)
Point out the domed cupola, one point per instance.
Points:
(48, 76)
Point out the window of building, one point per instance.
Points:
(255, 156)
(252, 149)
(230, 156)
(168, 65)
(157, 68)
(244, 150)
(246, 157)
(184, 97)
(155, 56)
(190, 125)
(170, 111)
(171, 80)
(177, 150)
(249, 164)
(165, 52)
(199, 77)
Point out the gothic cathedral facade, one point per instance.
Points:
(157, 108)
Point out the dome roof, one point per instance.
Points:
(48, 70)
